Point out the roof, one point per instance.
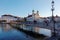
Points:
(30, 16)
(11, 16)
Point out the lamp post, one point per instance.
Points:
(53, 18)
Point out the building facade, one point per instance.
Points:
(9, 18)
(33, 16)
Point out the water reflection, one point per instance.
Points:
(8, 33)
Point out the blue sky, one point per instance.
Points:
(23, 7)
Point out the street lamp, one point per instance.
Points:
(53, 17)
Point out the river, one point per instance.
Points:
(13, 34)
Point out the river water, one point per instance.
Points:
(13, 34)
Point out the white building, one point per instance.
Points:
(41, 19)
(9, 18)
(35, 16)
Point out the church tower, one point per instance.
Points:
(37, 13)
(32, 11)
